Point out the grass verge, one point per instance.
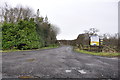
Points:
(98, 53)
(14, 50)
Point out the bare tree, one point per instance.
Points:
(15, 14)
(92, 31)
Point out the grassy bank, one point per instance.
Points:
(98, 53)
(14, 50)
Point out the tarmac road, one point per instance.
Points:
(60, 62)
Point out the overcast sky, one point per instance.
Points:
(75, 16)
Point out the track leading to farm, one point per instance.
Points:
(60, 62)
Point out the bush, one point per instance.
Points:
(21, 35)
(22, 30)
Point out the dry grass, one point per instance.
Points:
(30, 60)
(25, 77)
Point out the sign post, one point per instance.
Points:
(95, 43)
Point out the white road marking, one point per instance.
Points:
(67, 71)
(82, 71)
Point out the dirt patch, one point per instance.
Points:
(25, 77)
(30, 60)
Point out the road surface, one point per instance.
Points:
(59, 62)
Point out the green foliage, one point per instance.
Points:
(45, 30)
(8, 35)
(22, 35)
(23, 31)
(0, 36)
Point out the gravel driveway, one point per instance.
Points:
(59, 62)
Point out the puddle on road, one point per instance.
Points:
(82, 71)
(75, 69)
(67, 71)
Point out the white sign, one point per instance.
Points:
(94, 40)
